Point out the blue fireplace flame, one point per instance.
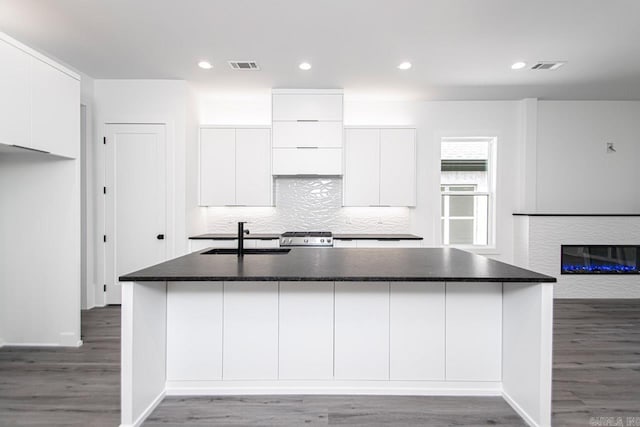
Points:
(613, 268)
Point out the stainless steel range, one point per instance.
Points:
(307, 238)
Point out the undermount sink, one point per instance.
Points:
(262, 251)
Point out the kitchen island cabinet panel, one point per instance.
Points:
(417, 336)
(250, 344)
(306, 331)
(474, 331)
(194, 331)
(362, 331)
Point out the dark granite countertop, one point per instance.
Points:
(233, 236)
(341, 236)
(340, 264)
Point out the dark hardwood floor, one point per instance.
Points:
(596, 374)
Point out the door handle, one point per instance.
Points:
(160, 237)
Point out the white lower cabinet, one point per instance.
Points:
(389, 243)
(194, 331)
(474, 331)
(382, 243)
(250, 343)
(306, 331)
(417, 336)
(271, 243)
(362, 331)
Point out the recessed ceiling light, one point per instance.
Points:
(404, 65)
(305, 66)
(518, 65)
(206, 65)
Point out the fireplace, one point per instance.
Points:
(600, 259)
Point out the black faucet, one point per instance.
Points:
(241, 233)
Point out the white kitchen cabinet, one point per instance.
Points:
(361, 331)
(250, 343)
(40, 102)
(55, 114)
(473, 331)
(316, 105)
(262, 243)
(362, 167)
(235, 167)
(15, 102)
(307, 161)
(338, 243)
(380, 167)
(253, 167)
(307, 134)
(398, 167)
(194, 331)
(385, 243)
(217, 167)
(376, 243)
(306, 331)
(417, 335)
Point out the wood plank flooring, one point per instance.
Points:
(596, 374)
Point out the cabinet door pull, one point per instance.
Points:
(307, 120)
(306, 148)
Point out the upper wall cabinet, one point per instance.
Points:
(235, 167)
(40, 102)
(307, 106)
(55, 114)
(307, 132)
(380, 167)
(15, 102)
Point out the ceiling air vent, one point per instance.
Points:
(547, 65)
(244, 65)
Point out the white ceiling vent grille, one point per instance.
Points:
(548, 65)
(244, 65)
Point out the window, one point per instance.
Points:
(466, 191)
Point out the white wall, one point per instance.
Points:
(40, 247)
(145, 101)
(574, 171)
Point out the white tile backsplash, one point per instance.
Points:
(308, 204)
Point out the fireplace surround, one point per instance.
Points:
(600, 259)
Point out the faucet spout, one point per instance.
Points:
(241, 233)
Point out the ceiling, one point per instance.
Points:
(460, 49)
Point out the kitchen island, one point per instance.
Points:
(337, 321)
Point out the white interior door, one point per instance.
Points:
(135, 201)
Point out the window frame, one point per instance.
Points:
(490, 194)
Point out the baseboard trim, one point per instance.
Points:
(394, 388)
(148, 410)
(40, 344)
(524, 414)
